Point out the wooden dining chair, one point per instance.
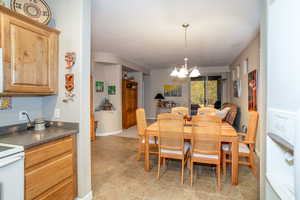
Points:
(206, 144)
(206, 110)
(141, 128)
(180, 110)
(171, 141)
(246, 145)
(232, 113)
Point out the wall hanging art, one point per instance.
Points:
(5, 103)
(99, 86)
(252, 91)
(172, 90)
(237, 88)
(70, 59)
(111, 90)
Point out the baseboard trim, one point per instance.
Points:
(89, 196)
(109, 133)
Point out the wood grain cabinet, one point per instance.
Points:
(50, 171)
(29, 55)
(129, 103)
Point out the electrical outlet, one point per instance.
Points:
(22, 117)
(57, 113)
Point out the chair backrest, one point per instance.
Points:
(180, 110)
(232, 113)
(206, 110)
(206, 131)
(170, 131)
(252, 126)
(141, 121)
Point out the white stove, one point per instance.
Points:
(9, 149)
(11, 172)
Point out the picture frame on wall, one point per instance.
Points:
(5, 103)
(252, 91)
(172, 90)
(237, 88)
(99, 86)
(111, 90)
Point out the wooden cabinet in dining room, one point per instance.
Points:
(29, 56)
(129, 103)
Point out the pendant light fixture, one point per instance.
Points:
(183, 71)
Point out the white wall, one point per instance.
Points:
(75, 36)
(33, 106)
(252, 53)
(111, 74)
(105, 57)
(139, 78)
(159, 77)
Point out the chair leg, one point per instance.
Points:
(158, 171)
(224, 157)
(182, 170)
(138, 157)
(192, 172)
(219, 176)
(252, 163)
(164, 162)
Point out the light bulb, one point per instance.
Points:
(174, 73)
(195, 73)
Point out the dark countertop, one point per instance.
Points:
(31, 138)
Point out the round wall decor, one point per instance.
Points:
(35, 9)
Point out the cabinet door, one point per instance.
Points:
(30, 57)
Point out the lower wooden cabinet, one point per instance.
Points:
(50, 171)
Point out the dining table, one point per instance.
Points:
(228, 135)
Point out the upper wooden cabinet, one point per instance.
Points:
(29, 55)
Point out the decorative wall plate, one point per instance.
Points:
(35, 9)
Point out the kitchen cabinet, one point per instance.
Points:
(29, 56)
(50, 170)
(129, 103)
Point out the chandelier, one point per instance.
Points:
(183, 71)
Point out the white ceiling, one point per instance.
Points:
(149, 32)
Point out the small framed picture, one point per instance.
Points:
(5, 103)
(111, 90)
(99, 86)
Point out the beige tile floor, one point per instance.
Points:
(116, 175)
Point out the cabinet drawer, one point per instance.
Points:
(39, 180)
(62, 191)
(47, 151)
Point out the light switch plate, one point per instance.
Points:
(282, 123)
(21, 116)
(57, 113)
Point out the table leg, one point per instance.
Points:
(235, 162)
(147, 164)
